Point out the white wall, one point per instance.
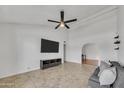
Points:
(7, 50)
(20, 47)
(121, 33)
(99, 31)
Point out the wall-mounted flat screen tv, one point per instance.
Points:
(48, 46)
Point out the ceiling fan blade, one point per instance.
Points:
(62, 16)
(72, 20)
(67, 26)
(57, 26)
(53, 21)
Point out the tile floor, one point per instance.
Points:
(67, 75)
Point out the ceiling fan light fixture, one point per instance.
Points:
(62, 23)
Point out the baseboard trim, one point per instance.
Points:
(73, 62)
(17, 73)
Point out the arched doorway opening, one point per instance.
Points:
(90, 54)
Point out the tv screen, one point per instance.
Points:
(48, 46)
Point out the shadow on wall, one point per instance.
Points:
(91, 54)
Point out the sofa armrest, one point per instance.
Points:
(94, 80)
(96, 72)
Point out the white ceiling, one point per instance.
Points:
(39, 14)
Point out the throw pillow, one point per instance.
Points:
(103, 65)
(108, 76)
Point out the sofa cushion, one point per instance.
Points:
(94, 78)
(119, 83)
(93, 84)
(108, 76)
(104, 86)
(103, 65)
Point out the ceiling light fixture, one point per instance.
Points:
(62, 24)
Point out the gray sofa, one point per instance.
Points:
(93, 81)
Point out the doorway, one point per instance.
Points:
(90, 54)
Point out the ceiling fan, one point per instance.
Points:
(62, 23)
